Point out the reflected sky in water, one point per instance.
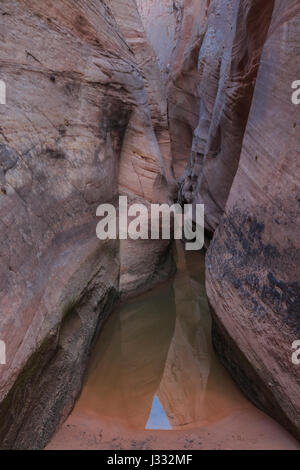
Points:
(158, 418)
(153, 366)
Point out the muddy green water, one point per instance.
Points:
(153, 366)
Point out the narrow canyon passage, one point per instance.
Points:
(154, 380)
(129, 342)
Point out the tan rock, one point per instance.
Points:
(145, 168)
(253, 263)
(228, 64)
(176, 30)
(74, 89)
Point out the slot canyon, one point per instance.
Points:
(139, 344)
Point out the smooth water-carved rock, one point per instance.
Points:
(242, 152)
(130, 23)
(228, 64)
(74, 89)
(145, 166)
(162, 24)
(94, 110)
(176, 30)
(253, 262)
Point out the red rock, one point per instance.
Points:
(253, 262)
(102, 102)
(75, 92)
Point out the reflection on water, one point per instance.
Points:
(153, 366)
(158, 418)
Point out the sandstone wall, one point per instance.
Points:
(145, 167)
(94, 110)
(227, 70)
(75, 94)
(236, 149)
(162, 21)
(176, 30)
(253, 263)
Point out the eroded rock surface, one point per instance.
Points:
(75, 94)
(227, 69)
(176, 30)
(94, 110)
(253, 263)
(231, 67)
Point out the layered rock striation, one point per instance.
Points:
(77, 127)
(118, 97)
(253, 263)
(237, 60)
